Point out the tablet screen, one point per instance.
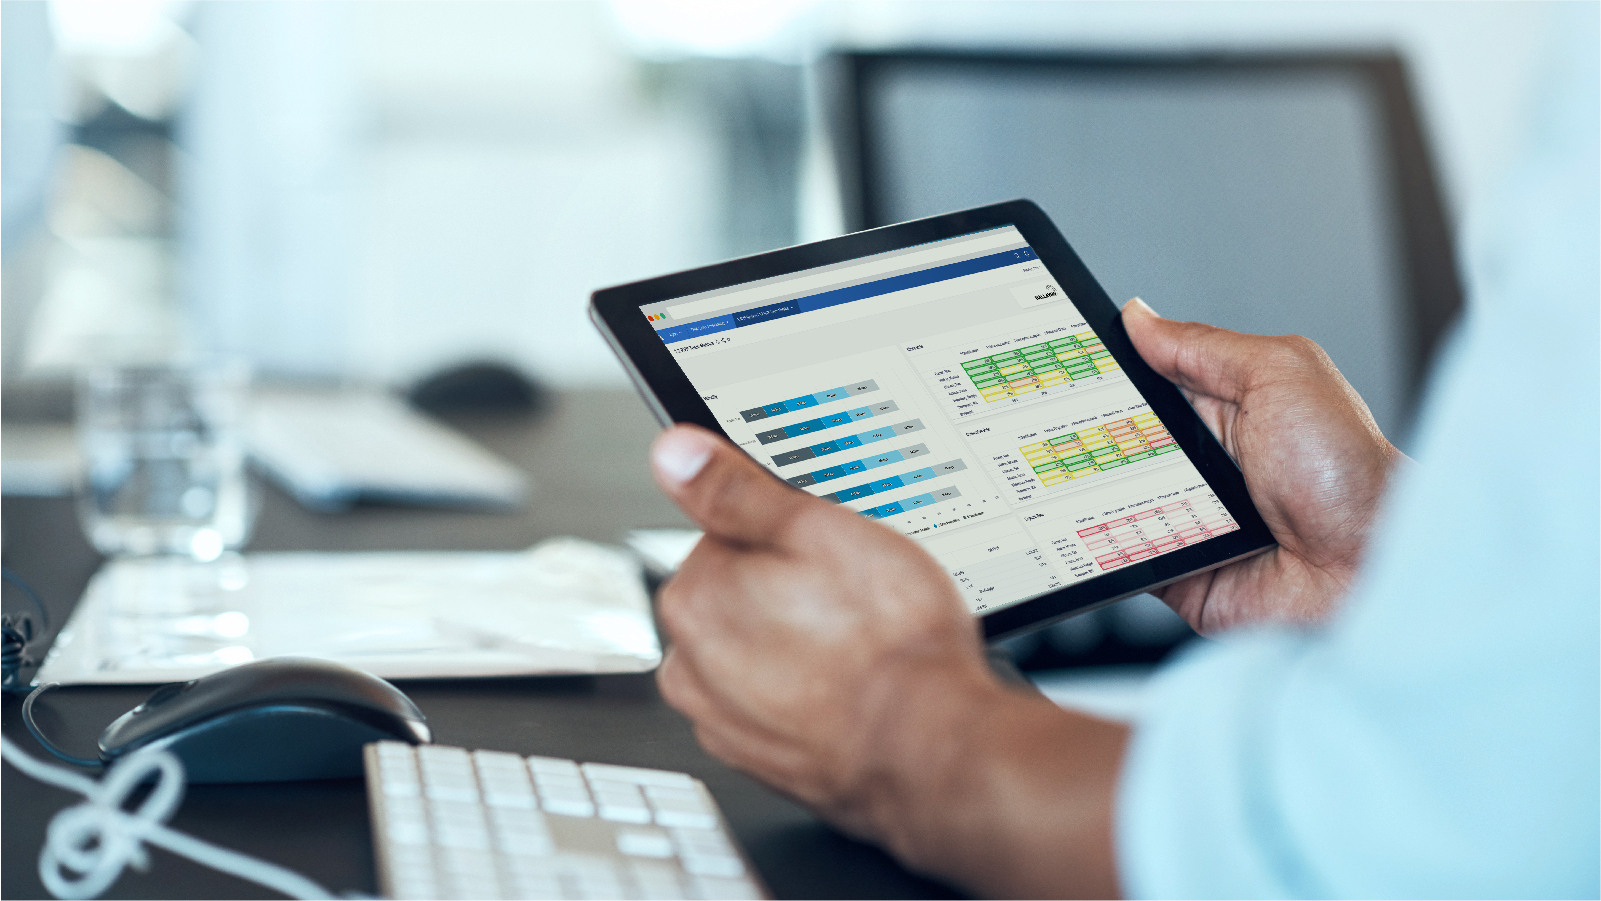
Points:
(954, 392)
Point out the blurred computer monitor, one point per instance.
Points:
(1268, 194)
(1273, 195)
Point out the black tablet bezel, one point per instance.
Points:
(616, 311)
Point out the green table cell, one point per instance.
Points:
(1063, 439)
(1075, 467)
(972, 365)
(1168, 448)
(1046, 467)
(1113, 464)
(1065, 342)
(1105, 450)
(1142, 455)
(1078, 458)
(988, 380)
(1050, 366)
(1009, 355)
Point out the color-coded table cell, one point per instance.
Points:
(848, 442)
(808, 400)
(826, 422)
(1000, 376)
(1132, 538)
(1073, 455)
(890, 483)
(912, 503)
(806, 479)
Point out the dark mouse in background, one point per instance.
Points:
(275, 720)
(478, 387)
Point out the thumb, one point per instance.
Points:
(724, 491)
(1200, 358)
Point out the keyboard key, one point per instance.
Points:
(553, 766)
(706, 852)
(503, 779)
(521, 832)
(712, 865)
(590, 877)
(656, 881)
(620, 801)
(644, 843)
(719, 889)
(702, 841)
(638, 775)
(681, 807)
(562, 790)
(535, 877)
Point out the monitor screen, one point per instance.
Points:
(1259, 198)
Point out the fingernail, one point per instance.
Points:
(680, 454)
(1143, 307)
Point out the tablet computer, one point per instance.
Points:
(962, 379)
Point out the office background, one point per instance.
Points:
(364, 194)
(367, 194)
(371, 191)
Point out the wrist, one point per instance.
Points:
(930, 736)
(996, 789)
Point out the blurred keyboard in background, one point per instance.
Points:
(331, 449)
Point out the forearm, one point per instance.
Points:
(1003, 793)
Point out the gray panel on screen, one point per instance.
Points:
(1259, 202)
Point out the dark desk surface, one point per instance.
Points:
(587, 457)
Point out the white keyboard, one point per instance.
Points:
(331, 449)
(449, 823)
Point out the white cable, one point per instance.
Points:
(88, 845)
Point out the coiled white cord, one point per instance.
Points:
(88, 845)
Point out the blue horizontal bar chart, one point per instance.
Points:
(807, 479)
(798, 429)
(890, 483)
(808, 400)
(912, 503)
(848, 441)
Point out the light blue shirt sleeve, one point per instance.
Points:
(1442, 737)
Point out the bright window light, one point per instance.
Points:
(114, 27)
(708, 27)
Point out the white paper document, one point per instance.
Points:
(564, 607)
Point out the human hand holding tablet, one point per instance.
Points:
(963, 380)
(835, 659)
(1313, 458)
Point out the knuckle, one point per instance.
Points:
(670, 681)
(675, 610)
(1300, 350)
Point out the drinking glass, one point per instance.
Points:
(164, 459)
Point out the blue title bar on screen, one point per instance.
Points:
(796, 306)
